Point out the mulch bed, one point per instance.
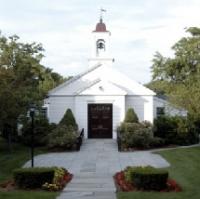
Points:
(123, 186)
(8, 185)
(145, 149)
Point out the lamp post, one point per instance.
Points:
(32, 115)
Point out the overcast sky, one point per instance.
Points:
(139, 28)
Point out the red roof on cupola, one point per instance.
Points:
(100, 27)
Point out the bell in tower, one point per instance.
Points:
(101, 42)
(100, 46)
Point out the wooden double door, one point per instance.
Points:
(100, 120)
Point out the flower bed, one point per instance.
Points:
(61, 178)
(123, 185)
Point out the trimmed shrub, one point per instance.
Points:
(129, 127)
(134, 134)
(131, 116)
(69, 120)
(128, 174)
(139, 139)
(63, 137)
(31, 178)
(147, 178)
(137, 135)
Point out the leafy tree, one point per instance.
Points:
(131, 116)
(185, 63)
(24, 79)
(179, 77)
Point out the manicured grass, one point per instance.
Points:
(10, 161)
(28, 195)
(185, 169)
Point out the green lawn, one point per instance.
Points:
(10, 161)
(27, 195)
(185, 169)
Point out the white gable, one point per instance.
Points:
(103, 88)
(103, 73)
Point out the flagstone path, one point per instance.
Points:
(94, 166)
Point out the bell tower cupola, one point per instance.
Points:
(101, 43)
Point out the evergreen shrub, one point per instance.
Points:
(131, 116)
(62, 138)
(147, 178)
(31, 178)
(176, 130)
(69, 120)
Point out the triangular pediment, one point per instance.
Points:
(102, 87)
(101, 75)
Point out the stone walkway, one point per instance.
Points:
(94, 166)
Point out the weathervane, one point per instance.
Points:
(101, 13)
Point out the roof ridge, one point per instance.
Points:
(74, 78)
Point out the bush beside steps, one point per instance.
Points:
(66, 137)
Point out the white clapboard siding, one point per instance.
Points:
(58, 106)
(142, 105)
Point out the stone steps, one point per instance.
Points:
(87, 195)
(91, 183)
(90, 186)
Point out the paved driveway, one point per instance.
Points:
(94, 165)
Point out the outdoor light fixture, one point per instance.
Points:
(101, 88)
(32, 115)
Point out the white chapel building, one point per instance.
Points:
(100, 96)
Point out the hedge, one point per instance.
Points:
(147, 178)
(31, 178)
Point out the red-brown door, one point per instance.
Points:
(100, 120)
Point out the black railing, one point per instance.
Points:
(79, 140)
(119, 141)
